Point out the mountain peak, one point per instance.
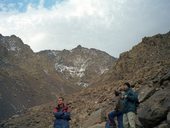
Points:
(79, 46)
(14, 36)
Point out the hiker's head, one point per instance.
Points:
(126, 85)
(60, 100)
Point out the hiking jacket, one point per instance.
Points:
(129, 101)
(62, 117)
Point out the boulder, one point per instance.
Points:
(155, 109)
(145, 92)
(95, 118)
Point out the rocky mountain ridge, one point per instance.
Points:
(28, 79)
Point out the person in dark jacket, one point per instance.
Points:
(117, 112)
(62, 114)
(129, 112)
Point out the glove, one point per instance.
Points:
(125, 96)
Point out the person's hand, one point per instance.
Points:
(125, 96)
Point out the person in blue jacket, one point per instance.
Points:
(62, 114)
(130, 106)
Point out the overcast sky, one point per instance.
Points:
(113, 26)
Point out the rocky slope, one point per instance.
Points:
(146, 67)
(28, 79)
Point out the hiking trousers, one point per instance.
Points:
(129, 120)
(119, 116)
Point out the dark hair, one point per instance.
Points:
(127, 84)
(61, 98)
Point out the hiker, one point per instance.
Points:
(62, 114)
(130, 99)
(117, 112)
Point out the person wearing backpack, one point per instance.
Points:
(117, 112)
(62, 114)
(130, 99)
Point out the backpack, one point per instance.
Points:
(119, 105)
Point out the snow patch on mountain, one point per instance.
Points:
(103, 70)
(13, 46)
(77, 70)
(82, 84)
(53, 52)
(74, 71)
